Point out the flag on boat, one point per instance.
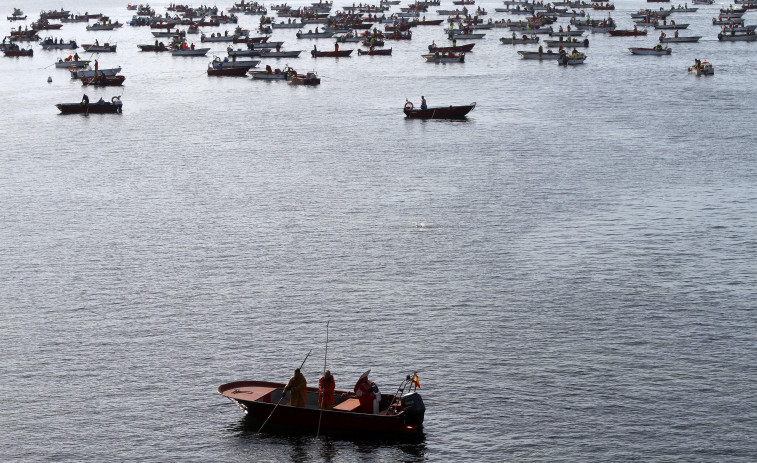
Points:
(416, 381)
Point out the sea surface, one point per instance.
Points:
(572, 270)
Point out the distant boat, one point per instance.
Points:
(704, 68)
(190, 52)
(49, 44)
(309, 78)
(103, 81)
(85, 107)
(376, 52)
(97, 48)
(79, 73)
(444, 57)
(693, 38)
(658, 51)
(71, 64)
(19, 52)
(330, 54)
(440, 112)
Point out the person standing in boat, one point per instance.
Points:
(368, 394)
(326, 387)
(424, 106)
(298, 385)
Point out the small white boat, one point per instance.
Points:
(264, 45)
(565, 33)
(280, 54)
(97, 48)
(737, 29)
(727, 22)
(314, 35)
(51, 45)
(567, 59)
(190, 52)
(703, 68)
(283, 25)
(216, 38)
(463, 36)
(519, 40)
(748, 36)
(78, 74)
(532, 30)
(689, 39)
(444, 57)
(541, 56)
(657, 51)
(567, 43)
(270, 74)
(673, 26)
(242, 53)
(102, 27)
(62, 64)
(232, 64)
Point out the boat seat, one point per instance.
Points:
(252, 393)
(349, 405)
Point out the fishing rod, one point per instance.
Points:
(322, 395)
(282, 397)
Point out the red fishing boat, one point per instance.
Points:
(309, 78)
(440, 112)
(103, 81)
(220, 70)
(627, 32)
(19, 52)
(457, 49)
(399, 414)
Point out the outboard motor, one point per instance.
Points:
(412, 405)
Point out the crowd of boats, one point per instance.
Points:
(534, 23)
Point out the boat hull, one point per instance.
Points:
(92, 108)
(539, 56)
(107, 81)
(457, 49)
(737, 38)
(260, 400)
(331, 54)
(229, 71)
(71, 64)
(78, 74)
(691, 39)
(381, 52)
(444, 112)
(195, 52)
(650, 51)
(28, 52)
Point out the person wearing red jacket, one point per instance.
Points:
(368, 394)
(326, 387)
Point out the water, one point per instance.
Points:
(571, 270)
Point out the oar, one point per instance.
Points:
(282, 397)
(320, 402)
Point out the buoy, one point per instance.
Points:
(49, 79)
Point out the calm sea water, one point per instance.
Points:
(571, 270)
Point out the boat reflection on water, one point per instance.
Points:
(304, 447)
